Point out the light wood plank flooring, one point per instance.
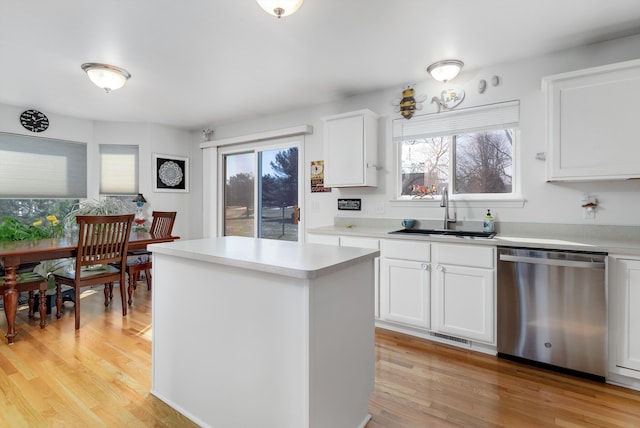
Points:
(101, 376)
(424, 384)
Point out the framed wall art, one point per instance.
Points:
(170, 173)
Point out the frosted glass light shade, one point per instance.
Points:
(280, 8)
(446, 70)
(107, 77)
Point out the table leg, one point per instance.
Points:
(10, 299)
(43, 306)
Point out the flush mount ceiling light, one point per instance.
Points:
(446, 70)
(280, 8)
(107, 77)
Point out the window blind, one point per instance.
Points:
(502, 115)
(34, 167)
(118, 169)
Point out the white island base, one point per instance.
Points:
(259, 333)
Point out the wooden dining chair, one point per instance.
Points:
(30, 282)
(140, 260)
(101, 259)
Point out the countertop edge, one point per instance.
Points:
(573, 243)
(355, 256)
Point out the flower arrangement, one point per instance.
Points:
(55, 229)
(418, 191)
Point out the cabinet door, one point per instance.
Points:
(350, 149)
(588, 139)
(464, 302)
(405, 292)
(625, 304)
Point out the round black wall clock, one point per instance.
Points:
(34, 120)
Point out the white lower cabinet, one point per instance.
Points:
(624, 316)
(443, 288)
(405, 293)
(464, 291)
(405, 283)
(463, 302)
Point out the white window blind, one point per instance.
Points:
(33, 167)
(493, 116)
(118, 169)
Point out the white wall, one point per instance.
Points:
(520, 80)
(545, 202)
(150, 138)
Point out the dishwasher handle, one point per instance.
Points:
(552, 262)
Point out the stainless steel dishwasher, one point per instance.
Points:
(552, 309)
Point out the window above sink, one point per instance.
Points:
(471, 152)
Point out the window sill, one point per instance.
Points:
(471, 203)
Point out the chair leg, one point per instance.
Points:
(77, 308)
(107, 292)
(31, 301)
(59, 300)
(147, 275)
(123, 296)
(43, 305)
(130, 288)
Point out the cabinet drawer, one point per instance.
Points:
(465, 255)
(354, 241)
(313, 238)
(406, 250)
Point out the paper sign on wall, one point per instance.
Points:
(317, 177)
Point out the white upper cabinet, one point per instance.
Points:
(592, 123)
(351, 153)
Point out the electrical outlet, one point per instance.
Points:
(380, 208)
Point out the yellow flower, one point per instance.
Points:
(52, 218)
(37, 223)
(55, 222)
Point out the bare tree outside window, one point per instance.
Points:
(481, 163)
(484, 162)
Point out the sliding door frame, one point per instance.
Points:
(255, 147)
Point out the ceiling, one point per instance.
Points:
(197, 63)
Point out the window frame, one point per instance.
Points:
(463, 121)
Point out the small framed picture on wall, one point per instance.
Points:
(170, 173)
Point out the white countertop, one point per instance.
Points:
(266, 255)
(575, 241)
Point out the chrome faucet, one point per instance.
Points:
(444, 202)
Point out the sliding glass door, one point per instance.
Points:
(261, 193)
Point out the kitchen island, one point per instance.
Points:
(262, 333)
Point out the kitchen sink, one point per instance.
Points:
(445, 232)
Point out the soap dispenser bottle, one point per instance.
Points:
(488, 224)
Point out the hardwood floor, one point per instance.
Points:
(98, 376)
(101, 376)
(424, 384)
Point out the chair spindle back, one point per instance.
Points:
(102, 239)
(162, 224)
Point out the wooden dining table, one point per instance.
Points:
(15, 253)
